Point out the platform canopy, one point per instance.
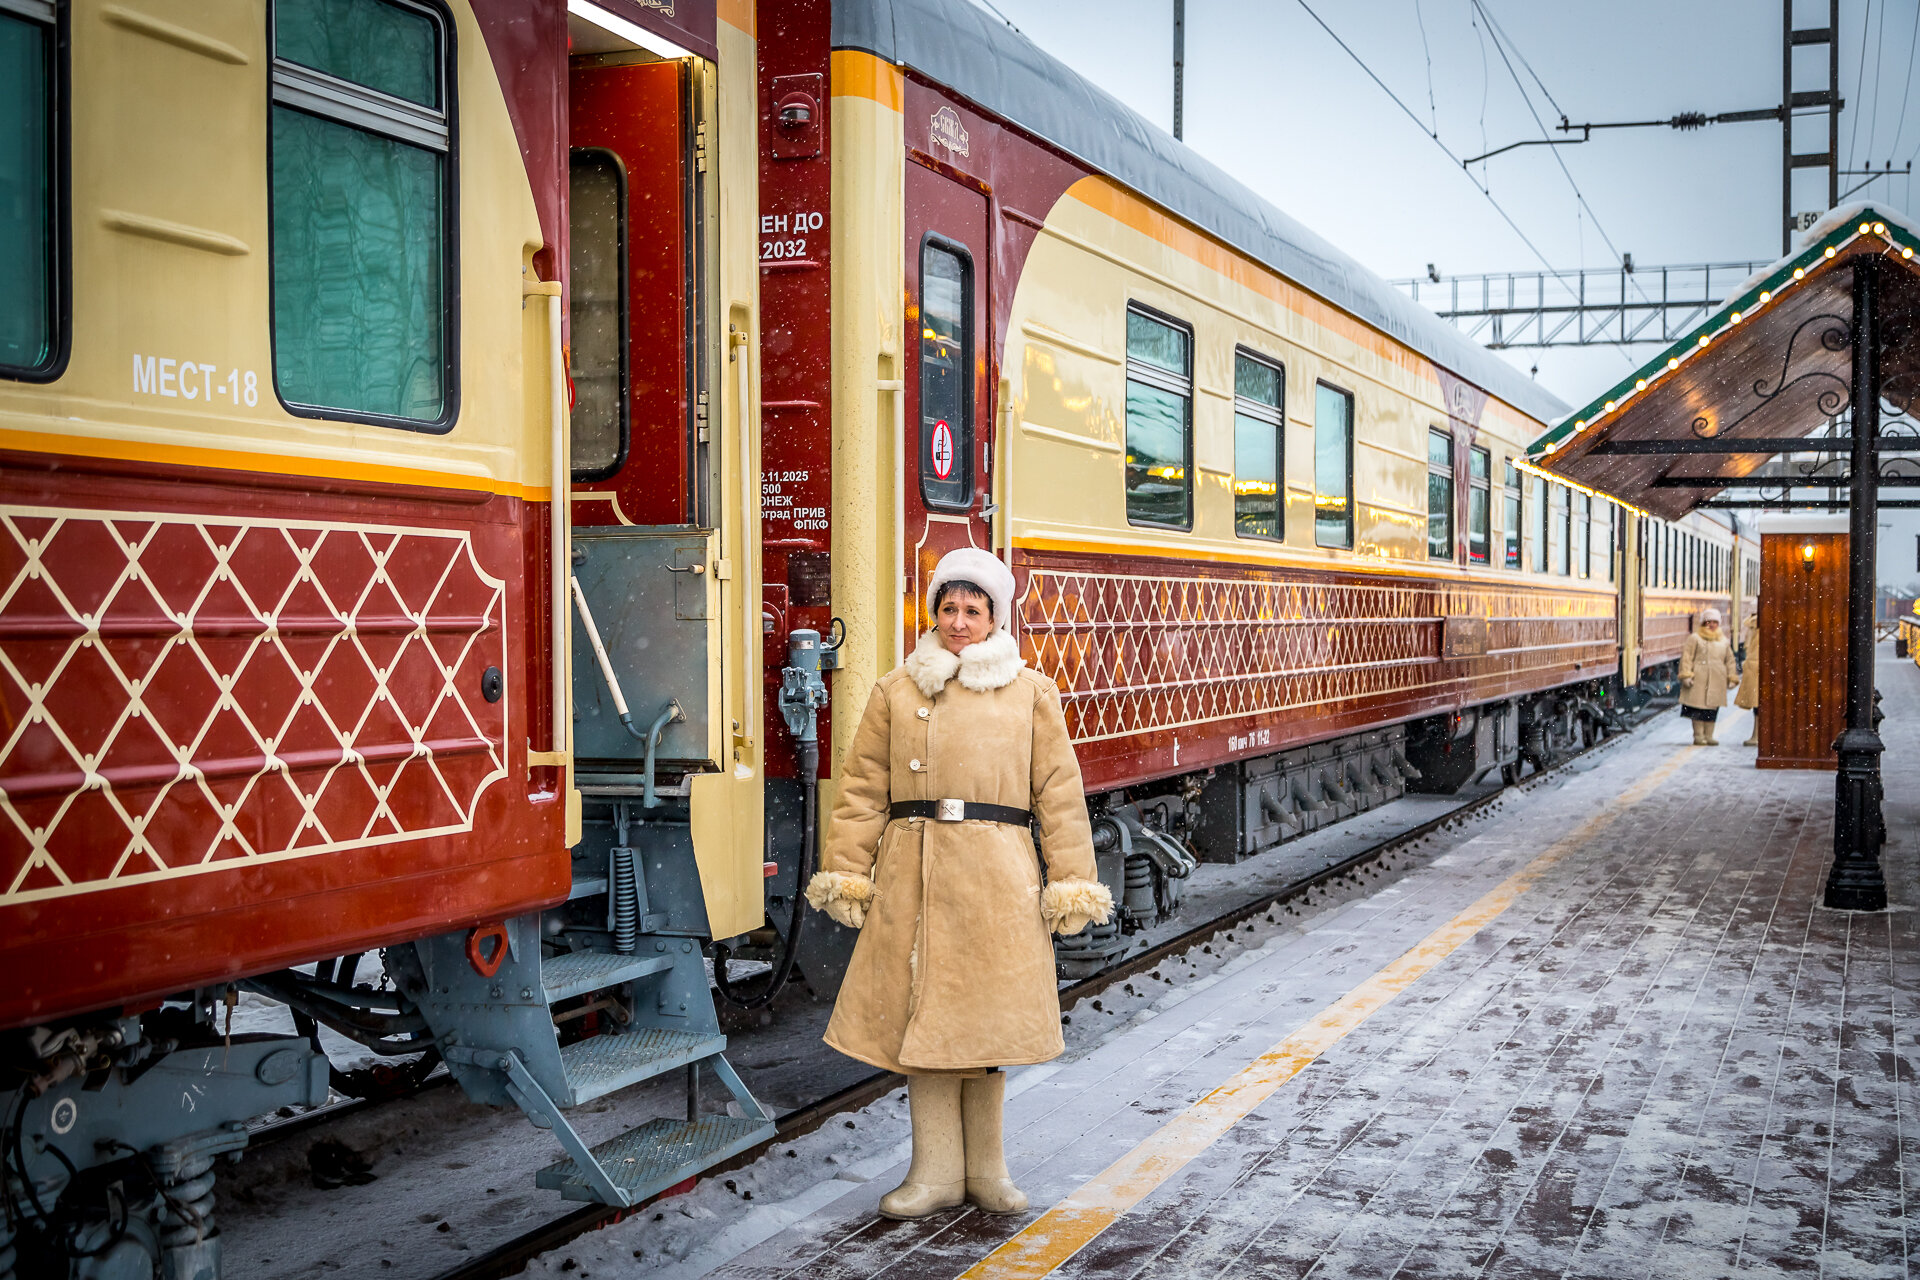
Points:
(1772, 364)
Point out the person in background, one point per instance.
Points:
(1749, 694)
(1706, 673)
(930, 856)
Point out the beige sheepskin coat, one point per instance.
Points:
(1749, 695)
(954, 967)
(1706, 671)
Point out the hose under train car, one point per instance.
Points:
(808, 754)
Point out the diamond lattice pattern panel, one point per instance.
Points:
(181, 695)
(1138, 653)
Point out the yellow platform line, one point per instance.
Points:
(1069, 1226)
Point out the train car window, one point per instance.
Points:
(1479, 505)
(946, 375)
(1159, 421)
(597, 276)
(1613, 540)
(1332, 467)
(1510, 515)
(1542, 499)
(1583, 537)
(361, 187)
(32, 187)
(1259, 447)
(1563, 525)
(1439, 495)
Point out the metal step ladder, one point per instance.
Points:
(491, 997)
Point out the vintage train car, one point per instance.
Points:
(1268, 519)
(292, 614)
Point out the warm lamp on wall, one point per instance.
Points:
(1806, 557)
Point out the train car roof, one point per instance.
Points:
(957, 44)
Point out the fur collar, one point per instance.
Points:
(991, 664)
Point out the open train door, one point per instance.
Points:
(941, 497)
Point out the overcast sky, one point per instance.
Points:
(1274, 100)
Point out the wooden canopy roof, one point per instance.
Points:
(1771, 364)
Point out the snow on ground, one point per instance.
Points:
(452, 1179)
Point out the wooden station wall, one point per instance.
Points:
(1803, 649)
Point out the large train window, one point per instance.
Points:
(1583, 539)
(597, 274)
(946, 375)
(1332, 466)
(1479, 505)
(1510, 515)
(1562, 525)
(1159, 421)
(1542, 499)
(361, 186)
(1613, 541)
(33, 312)
(1259, 447)
(1439, 494)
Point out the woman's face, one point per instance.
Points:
(964, 618)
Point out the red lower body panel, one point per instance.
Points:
(251, 721)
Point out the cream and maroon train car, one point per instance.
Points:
(288, 575)
(1266, 516)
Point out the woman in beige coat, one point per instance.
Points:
(1749, 694)
(1706, 673)
(929, 855)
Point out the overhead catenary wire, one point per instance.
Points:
(1432, 135)
(1501, 46)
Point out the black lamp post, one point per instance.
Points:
(1855, 883)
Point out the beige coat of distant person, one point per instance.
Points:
(1706, 669)
(1748, 696)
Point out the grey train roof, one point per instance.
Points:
(958, 44)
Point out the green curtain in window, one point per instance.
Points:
(357, 289)
(26, 196)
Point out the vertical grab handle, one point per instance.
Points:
(742, 554)
(559, 477)
(897, 388)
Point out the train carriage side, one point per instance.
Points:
(1282, 562)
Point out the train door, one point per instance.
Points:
(941, 495)
(642, 531)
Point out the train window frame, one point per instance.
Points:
(1583, 556)
(1613, 540)
(1259, 414)
(303, 90)
(1345, 397)
(1155, 378)
(623, 401)
(964, 442)
(1480, 520)
(53, 17)
(1513, 516)
(1441, 483)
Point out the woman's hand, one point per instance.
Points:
(1687, 682)
(842, 896)
(1068, 906)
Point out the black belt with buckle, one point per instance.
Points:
(960, 811)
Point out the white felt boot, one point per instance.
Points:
(937, 1178)
(989, 1186)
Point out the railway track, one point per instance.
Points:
(511, 1257)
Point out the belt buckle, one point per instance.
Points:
(949, 810)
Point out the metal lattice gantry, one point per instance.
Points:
(1613, 305)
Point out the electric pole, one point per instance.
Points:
(1180, 65)
(1826, 98)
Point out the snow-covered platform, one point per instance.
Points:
(1614, 1033)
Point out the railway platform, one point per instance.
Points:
(1612, 1034)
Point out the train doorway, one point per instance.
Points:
(942, 490)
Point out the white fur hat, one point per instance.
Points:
(1709, 617)
(983, 569)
